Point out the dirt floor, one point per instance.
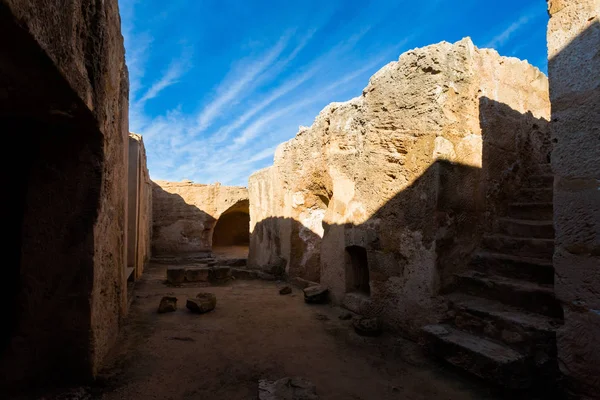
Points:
(224, 252)
(256, 333)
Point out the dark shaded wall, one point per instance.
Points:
(64, 100)
(574, 72)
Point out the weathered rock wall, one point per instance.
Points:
(574, 71)
(63, 70)
(414, 171)
(185, 214)
(139, 213)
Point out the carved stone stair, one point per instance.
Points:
(503, 313)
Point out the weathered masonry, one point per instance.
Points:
(197, 218)
(401, 185)
(63, 108)
(139, 209)
(574, 72)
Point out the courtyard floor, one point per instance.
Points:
(256, 333)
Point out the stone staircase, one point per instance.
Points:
(503, 313)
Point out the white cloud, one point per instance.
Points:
(170, 77)
(504, 36)
(232, 88)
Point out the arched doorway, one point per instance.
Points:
(231, 234)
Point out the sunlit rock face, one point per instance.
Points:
(185, 215)
(387, 195)
(574, 71)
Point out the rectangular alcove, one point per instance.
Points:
(357, 270)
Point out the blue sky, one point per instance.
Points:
(216, 85)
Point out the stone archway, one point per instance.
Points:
(231, 233)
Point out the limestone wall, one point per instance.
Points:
(574, 71)
(64, 71)
(139, 212)
(185, 213)
(414, 171)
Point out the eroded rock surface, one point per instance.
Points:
(388, 194)
(185, 215)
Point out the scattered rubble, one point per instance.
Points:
(367, 326)
(167, 304)
(316, 294)
(203, 303)
(287, 389)
(285, 290)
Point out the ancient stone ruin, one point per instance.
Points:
(197, 218)
(450, 213)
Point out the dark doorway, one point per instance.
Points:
(232, 229)
(357, 270)
(231, 234)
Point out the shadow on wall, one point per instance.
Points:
(574, 72)
(178, 227)
(411, 247)
(54, 179)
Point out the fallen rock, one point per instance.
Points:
(287, 389)
(345, 316)
(167, 304)
(175, 274)
(285, 290)
(367, 326)
(220, 273)
(303, 283)
(277, 268)
(203, 303)
(316, 294)
(197, 274)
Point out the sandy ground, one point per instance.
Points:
(256, 333)
(223, 252)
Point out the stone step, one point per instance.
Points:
(531, 334)
(538, 211)
(533, 297)
(491, 361)
(542, 195)
(526, 228)
(541, 181)
(519, 246)
(517, 267)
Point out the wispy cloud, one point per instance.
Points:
(170, 77)
(503, 37)
(231, 88)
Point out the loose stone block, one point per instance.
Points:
(197, 274)
(316, 294)
(203, 303)
(220, 273)
(167, 304)
(175, 274)
(285, 290)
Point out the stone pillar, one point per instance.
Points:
(133, 204)
(574, 72)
